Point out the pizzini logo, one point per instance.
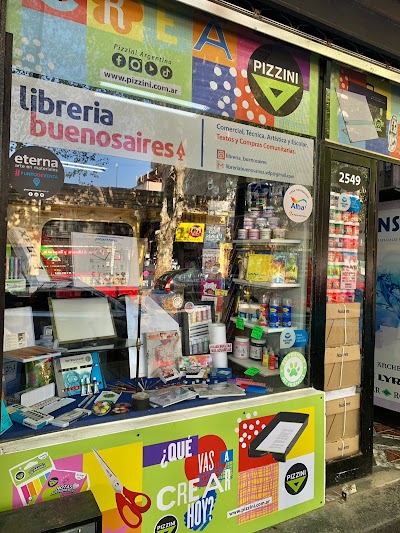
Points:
(300, 205)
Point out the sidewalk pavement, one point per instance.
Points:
(375, 507)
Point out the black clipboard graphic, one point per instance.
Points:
(279, 436)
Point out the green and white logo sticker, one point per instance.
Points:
(293, 369)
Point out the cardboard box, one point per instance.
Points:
(335, 311)
(342, 418)
(342, 448)
(335, 377)
(336, 329)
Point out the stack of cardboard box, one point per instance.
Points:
(342, 375)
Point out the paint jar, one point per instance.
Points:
(265, 234)
(269, 211)
(261, 223)
(256, 349)
(247, 223)
(279, 233)
(241, 348)
(244, 310)
(243, 234)
(254, 311)
(254, 234)
(274, 222)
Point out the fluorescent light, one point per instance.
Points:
(83, 166)
(147, 94)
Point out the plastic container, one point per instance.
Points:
(265, 234)
(241, 348)
(243, 234)
(254, 234)
(248, 222)
(263, 316)
(274, 222)
(244, 310)
(254, 312)
(274, 321)
(261, 223)
(256, 349)
(279, 233)
(269, 211)
(286, 313)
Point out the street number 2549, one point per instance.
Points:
(346, 177)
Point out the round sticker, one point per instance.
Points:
(348, 178)
(296, 479)
(293, 369)
(275, 79)
(166, 524)
(288, 337)
(344, 202)
(36, 172)
(298, 203)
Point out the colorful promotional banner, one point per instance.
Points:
(387, 336)
(244, 469)
(167, 52)
(62, 116)
(364, 111)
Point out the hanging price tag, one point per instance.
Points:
(252, 371)
(221, 292)
(257, 332)
(240, 323)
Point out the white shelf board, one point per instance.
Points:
(266, 284)
(250, 325)
(260, 242)
(249, 363)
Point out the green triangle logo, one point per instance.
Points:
(296, 484)
(277, 92)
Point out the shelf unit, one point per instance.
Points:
(250, 325)
(266, 284)
(250, 363)
(278, 242)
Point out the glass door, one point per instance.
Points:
(350, 289)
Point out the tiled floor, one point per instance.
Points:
(386, 446)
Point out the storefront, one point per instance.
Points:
(189, 262)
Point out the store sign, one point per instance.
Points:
(190, 232)
(36, 172)
(275, 80)
(297, 203)
(171, 55)
(387, 336)
(67, 117)
(202, 473)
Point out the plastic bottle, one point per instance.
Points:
(287, 313)
(264, 309)
(265, 359)
(274, 312)
(272, 361)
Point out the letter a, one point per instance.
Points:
(206, 39)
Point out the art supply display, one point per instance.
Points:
(163, 351)
(121, 408)
(74, 373)
(66, 419)
(196, 338)
(140, 401)
(218, 336)
(102, 408)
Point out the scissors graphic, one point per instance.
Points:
(126, 498)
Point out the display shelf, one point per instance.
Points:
(250, 325)
(344, 223)
(250, 363)
(354, 250)
(261, 242)
(266, 284)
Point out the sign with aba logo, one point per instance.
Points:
(275, 80)
(36, 172)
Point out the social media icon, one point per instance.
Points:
(166, 72)
(151, 68)
(118, 60)
(135, 64)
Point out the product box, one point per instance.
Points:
(335, 311)
(342, 448)
(71, 372)
(350, 375)
(340, 331)
(258, 267)
(342, 418)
